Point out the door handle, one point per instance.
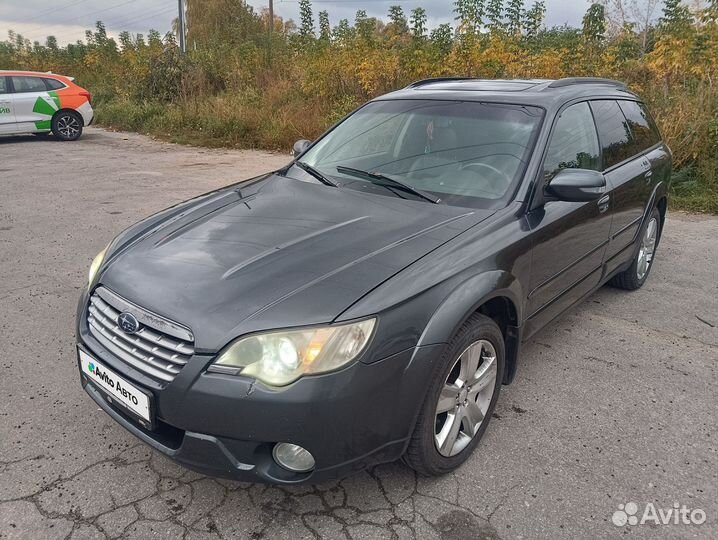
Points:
(603, 203)
(648, 176)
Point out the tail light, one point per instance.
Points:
(86, 94)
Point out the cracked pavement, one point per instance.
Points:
(615, 402)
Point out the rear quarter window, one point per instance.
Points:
(53, 84)
(643, 129)
(614, 133)
(3, 85)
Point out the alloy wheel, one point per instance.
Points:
(647, 249)
(68, 126)
(465, 398)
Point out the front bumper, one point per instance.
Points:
(227, 426)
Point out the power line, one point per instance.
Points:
(53, 10)
(144, 16)
(67, 21)
(73, 36)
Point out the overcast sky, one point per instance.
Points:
(68, 19)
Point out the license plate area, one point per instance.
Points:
(133, 401)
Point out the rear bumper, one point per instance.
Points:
(87, 113)
(227, 426)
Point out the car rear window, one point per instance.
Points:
(53, 84)
(28, 84)
(614, 133)
(644, 131)
(3, 85)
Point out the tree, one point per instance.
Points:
(594, 24)
(495, 14)
(418, 23)
(630, 16)
(515, 16)
(342, 31)
(306, 18)
(534, 19)
(397, 21)
(222, 23)
(154, 38)
(469, 13)
(325, 32)
(441, 37)
(365, 26)
(676, 17)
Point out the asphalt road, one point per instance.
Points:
(615, 403)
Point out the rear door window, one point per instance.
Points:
(642, 127)
(614, 133)
(574, 144)
(3, 85)
(28, 84)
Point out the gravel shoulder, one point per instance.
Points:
(616, 402)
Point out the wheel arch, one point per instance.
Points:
(495, 294)
(659, 200)
(68, 109)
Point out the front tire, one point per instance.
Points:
(460, 400)
(636, 275)
(67, 125)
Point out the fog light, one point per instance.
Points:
(293, 457)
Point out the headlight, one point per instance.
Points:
(95, 266)
(280, 358)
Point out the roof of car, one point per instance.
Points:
(6, 72)
(541, 92)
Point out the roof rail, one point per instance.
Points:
(438, 79)
(570, 81)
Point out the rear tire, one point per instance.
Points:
(636, 275)
(67, 125)
(463, 392)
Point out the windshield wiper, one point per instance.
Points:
(387, 181)
(315, 173)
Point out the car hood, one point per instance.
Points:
(278, 254)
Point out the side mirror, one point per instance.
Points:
(577, 185)
(300, 146)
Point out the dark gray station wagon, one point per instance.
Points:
(366, 302)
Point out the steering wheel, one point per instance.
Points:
(423, 167)
(496, 172)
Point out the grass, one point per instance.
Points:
(274, 120)
(695, 189)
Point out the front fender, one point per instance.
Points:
(466, 299)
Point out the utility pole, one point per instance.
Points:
(271, 30)
(182, 44)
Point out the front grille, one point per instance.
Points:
(159, 348)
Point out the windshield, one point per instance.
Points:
(463, 153)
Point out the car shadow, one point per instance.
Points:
(14, 139)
